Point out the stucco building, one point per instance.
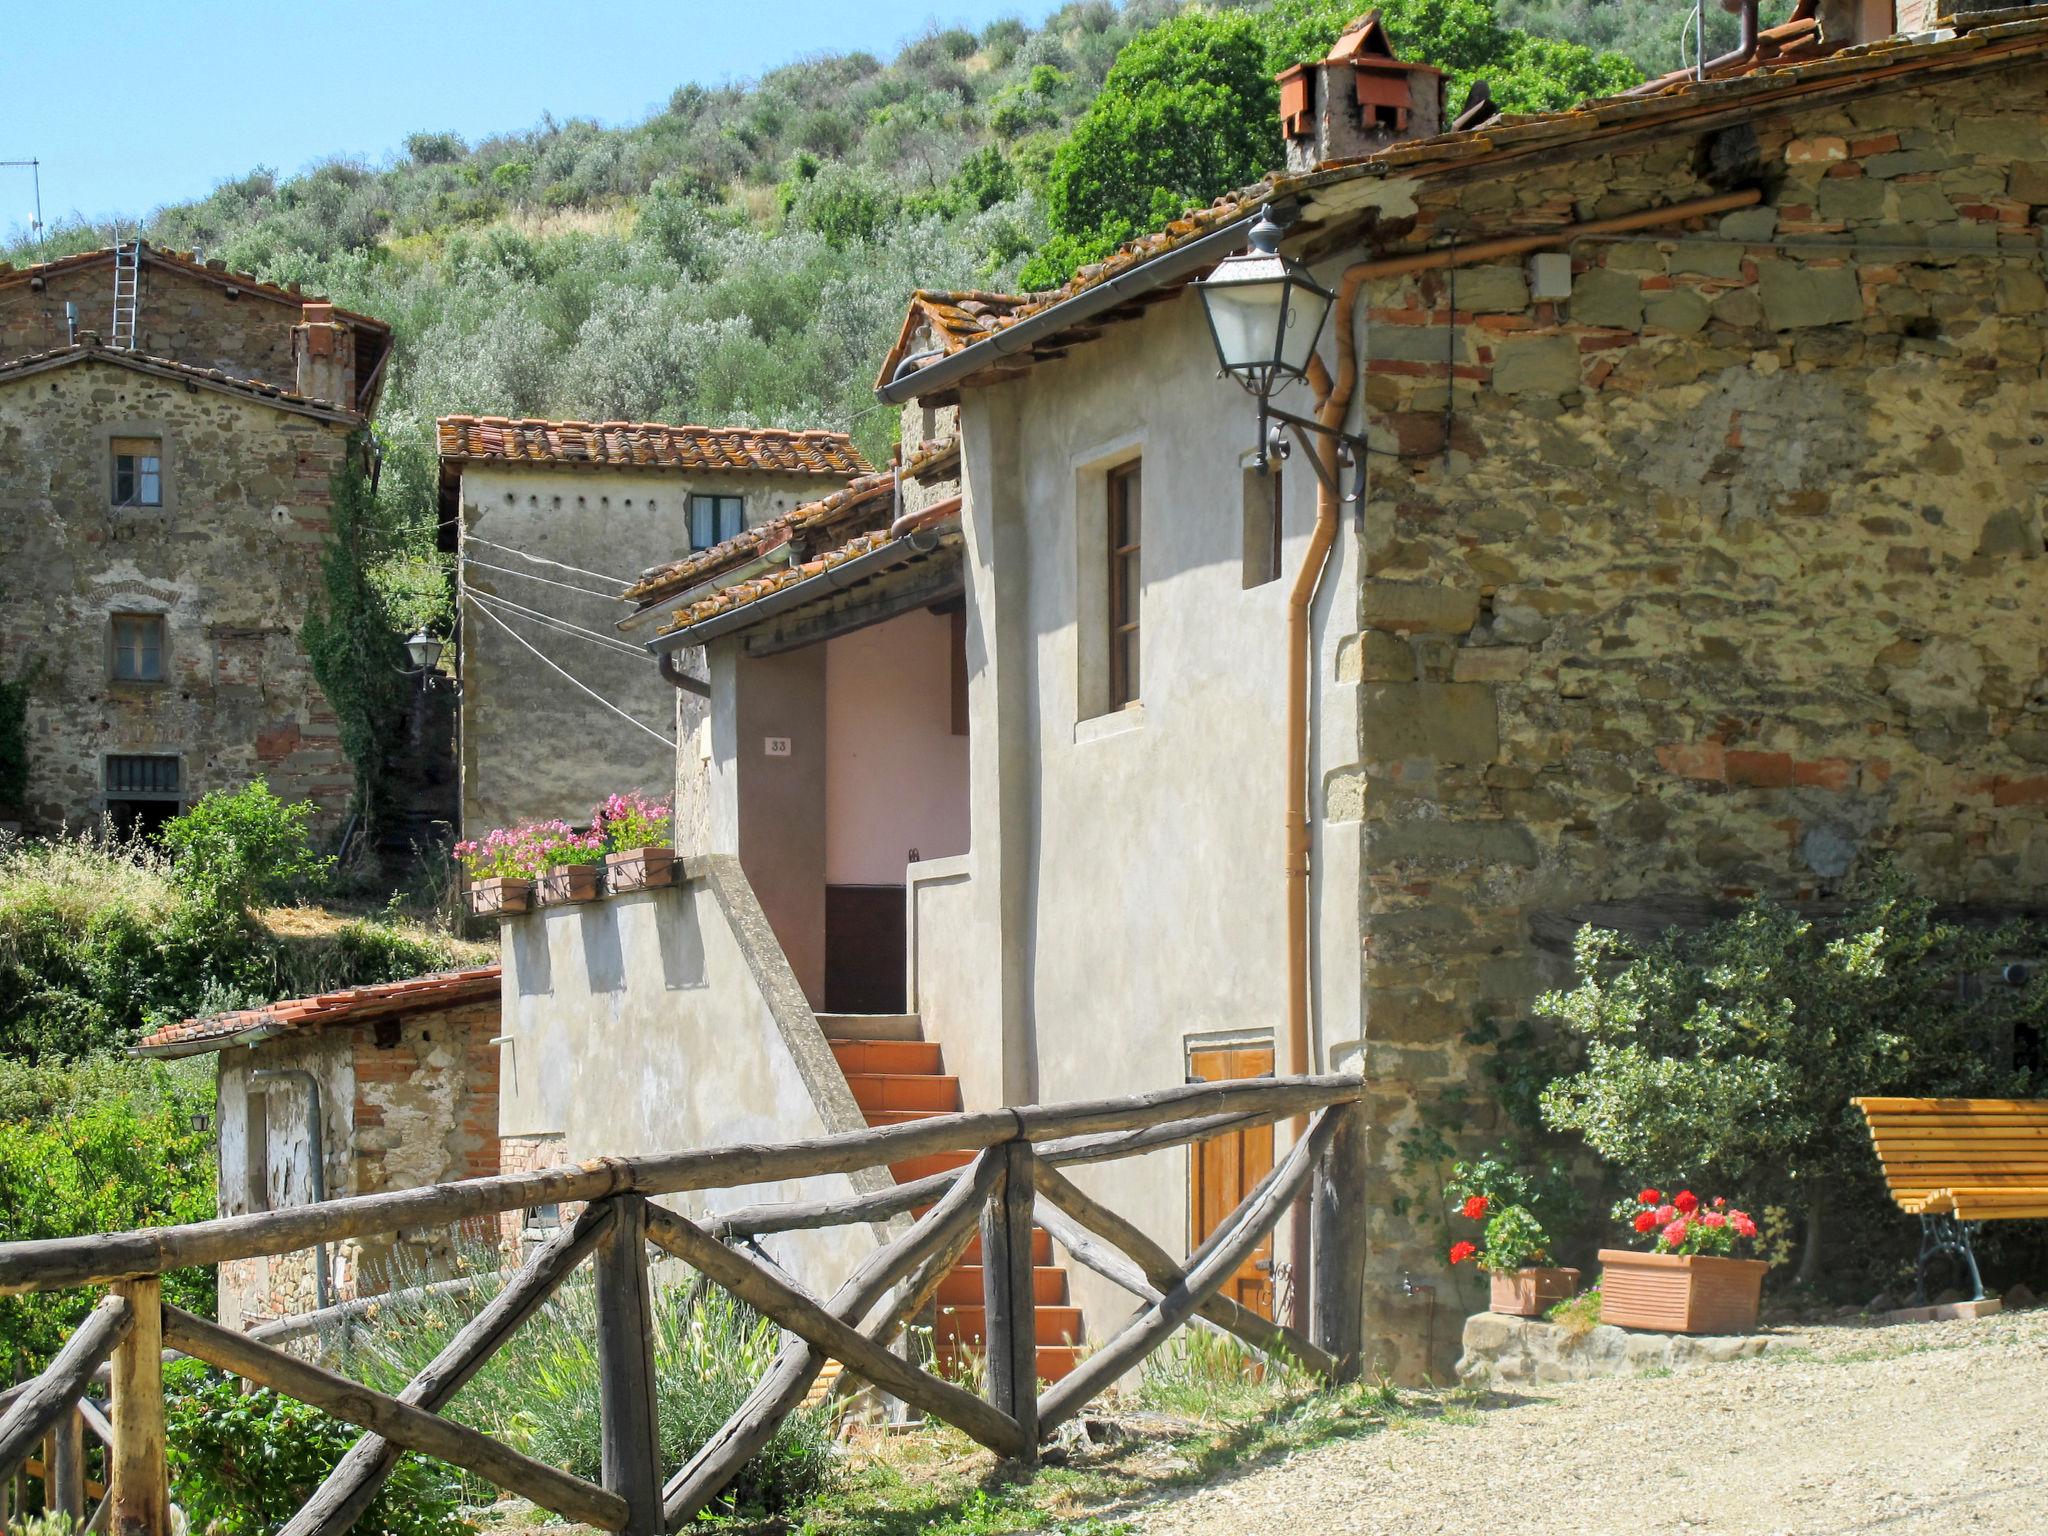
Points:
(359, 1092)
(1688, 544)
(551, 521)
(164, 503)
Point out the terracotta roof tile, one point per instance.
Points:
(648, 445)
(864, 496)
(1791, 60)
(354, 1005)
(164, 367)
(189, 263)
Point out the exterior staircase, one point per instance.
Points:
(897, 1075)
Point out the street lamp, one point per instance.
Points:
(425, 650)
(1266, 314)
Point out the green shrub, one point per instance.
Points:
(242, 1462)
(234, 851)
(105, 1146)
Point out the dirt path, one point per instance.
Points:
(1929, 1427)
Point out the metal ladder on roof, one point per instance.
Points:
(127, 293)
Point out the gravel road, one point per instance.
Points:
(1935, 1427)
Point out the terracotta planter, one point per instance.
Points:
(1532, 1292)
(499, 895)
(640, 869)
(570, 882)
(1679, 1293)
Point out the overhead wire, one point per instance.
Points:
(554, 621)
(571, 678)
(506, 570)
(471, 538)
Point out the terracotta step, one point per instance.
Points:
(962, 1288)
(896, 1056)
(1054, 1360)
(901, 1116)
(1056, 1325)
(1041, 1248)
(880, 1090)
(871, 1026)
(913, 1168)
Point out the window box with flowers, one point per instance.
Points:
(547, 860)
(639, 844)
(1690, 1281)
(1511, 1245)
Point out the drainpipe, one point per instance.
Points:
(1333, 403)
(318, 1153)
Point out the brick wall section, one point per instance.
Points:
(1730, 580)
(179, 316)
(232, 562)
(528, 1154)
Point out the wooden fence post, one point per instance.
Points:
(1009, 1314)
(64, 1468)
(136, 1481)
(625, 1361)
(1337, 1292)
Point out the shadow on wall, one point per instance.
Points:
(604, 958)
(530, 959)
(681, 943)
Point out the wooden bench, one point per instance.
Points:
(1955, 1163)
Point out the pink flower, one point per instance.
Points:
(1744, 1227)
(1720, 1202)
(1675, 1233)
(1666, 1214)
(1713, 1219)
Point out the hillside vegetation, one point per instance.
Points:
(743, 255)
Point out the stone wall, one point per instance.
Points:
(179, 316)
(1724, 576)
(231, 561)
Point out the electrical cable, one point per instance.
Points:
(506, 570)
(570, 677)
(471, 538)
(596, 636)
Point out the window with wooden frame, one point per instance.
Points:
(1126, 501)
(137, 648)
(1262, 524)
(714, 519)
(138, 471)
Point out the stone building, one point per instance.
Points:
(359, 1092)
(164, 506)
(1688, 545)
(551, 521)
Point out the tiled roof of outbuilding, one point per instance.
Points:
(189, 263)
(164, 367)
(1792, 64)
(648, 445)
(864, 496)
(356, 1005)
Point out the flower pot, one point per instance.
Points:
(1532, 1292)
(1679, 1292)
(569, 882)
(499, 896)
(640, 869)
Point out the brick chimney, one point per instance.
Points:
(324, 356)
(1356, 99)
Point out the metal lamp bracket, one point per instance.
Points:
(1351, 449)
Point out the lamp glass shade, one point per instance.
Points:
(424, 649)
(1265, 314)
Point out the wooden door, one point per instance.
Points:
(865, 945)
(1224, 1169)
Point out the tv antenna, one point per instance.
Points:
(35, 170)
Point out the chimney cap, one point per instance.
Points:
(316, 312)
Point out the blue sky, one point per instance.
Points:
(135, 103)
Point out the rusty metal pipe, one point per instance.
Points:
(937, 512)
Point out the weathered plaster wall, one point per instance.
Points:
(231, 561)
(533, 744)
(177, 316)
(1730, 581)
(667, 1020)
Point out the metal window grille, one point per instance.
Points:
(714, 519)
(138, 472)
(143, 777)
(1125, 504)
(138, 648)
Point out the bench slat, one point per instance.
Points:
(1975, 1159)
(1950, 1106)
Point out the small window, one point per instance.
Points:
(143, 792)
(1125, 507)
(714, 519)
(1262, 523)
(256, 1150)
(138, 648)
(138, 471)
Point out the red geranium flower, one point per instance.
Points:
(1646, 1221)
(1474, 1209)
(1686, 1201)
(1460, 1252)
(1650, 1197)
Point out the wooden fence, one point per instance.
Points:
(1012, 1183)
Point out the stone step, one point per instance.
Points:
(871, 1026)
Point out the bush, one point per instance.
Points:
(104, 1146)
(1729, 1054)
(242, 1462)
(235, 851)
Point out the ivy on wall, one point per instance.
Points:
(14, 740)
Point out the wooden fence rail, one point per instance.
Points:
(1012, 1182)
